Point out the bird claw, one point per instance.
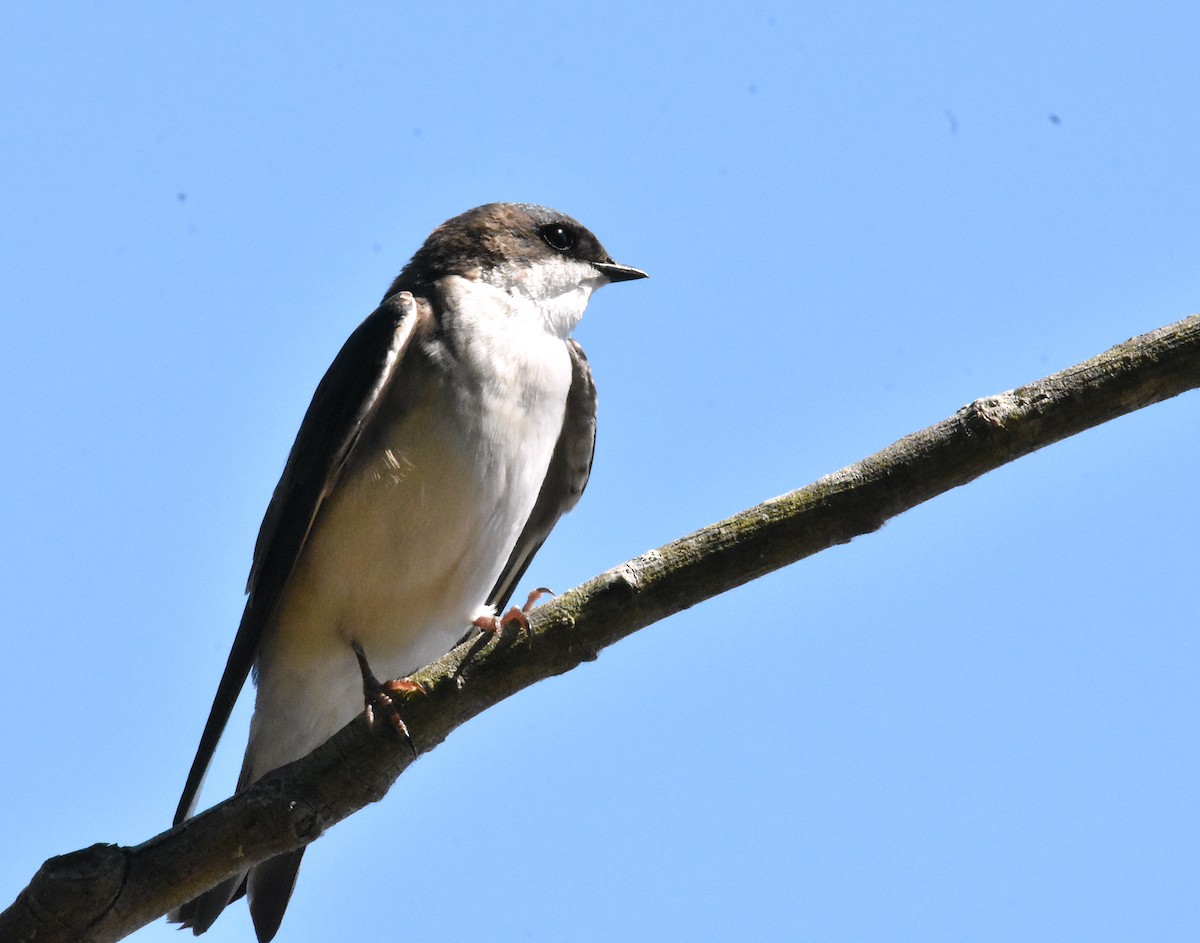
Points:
(535, 596)
(495, 625)
(378, 696)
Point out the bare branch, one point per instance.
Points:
(105, 892)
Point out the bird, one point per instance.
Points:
(453, 429)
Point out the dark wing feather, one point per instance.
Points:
(342, 404)
(567, 476)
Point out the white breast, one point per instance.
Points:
(422, 520)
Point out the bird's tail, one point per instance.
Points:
(267, 886)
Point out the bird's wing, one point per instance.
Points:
(342, 405)
(566, 476)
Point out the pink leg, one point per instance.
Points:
(493, 625)
(378, 695)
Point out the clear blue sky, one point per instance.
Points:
(979, 723)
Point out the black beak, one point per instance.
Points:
(619, 273)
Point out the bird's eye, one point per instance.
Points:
(558, 237)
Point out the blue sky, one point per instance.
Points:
(979, 723)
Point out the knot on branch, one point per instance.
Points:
(993, 411)
(90, 879)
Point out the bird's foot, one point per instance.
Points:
(495, 625)
(379, 696)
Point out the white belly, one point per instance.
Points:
(408, 545)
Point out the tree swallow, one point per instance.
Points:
(452, 431)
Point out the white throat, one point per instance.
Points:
(556, 290)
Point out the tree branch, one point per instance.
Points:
(105, 892)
